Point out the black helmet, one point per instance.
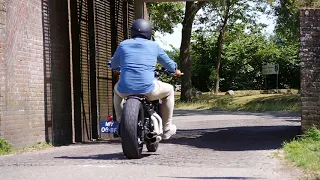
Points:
(141, 28)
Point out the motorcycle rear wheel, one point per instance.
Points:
(130, 128)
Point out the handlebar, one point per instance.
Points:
(162, 70)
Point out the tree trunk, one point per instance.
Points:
(186, 84)
(219, 45)
(218, 62)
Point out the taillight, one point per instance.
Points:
(110, 118)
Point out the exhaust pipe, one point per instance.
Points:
(159, 119)
(157, 122)
(151, 135)
(155, 139)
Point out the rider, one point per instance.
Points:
(137, 58)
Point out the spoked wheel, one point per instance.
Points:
(131, 129)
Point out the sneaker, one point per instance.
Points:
(171, 131)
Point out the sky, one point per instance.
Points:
(175, 38)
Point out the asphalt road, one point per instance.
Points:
(208, 145)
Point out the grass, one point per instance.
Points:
(244, 102)
(6, 148)
(36, 147)
(304, 151)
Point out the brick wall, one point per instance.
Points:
(22, 103)
(2, 49)
(310, 70)
(35, 72)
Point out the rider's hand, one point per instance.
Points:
(177, 73)
(117, 73)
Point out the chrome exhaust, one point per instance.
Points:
(155, 139)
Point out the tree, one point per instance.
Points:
(220, 14)
(203, 53)
(245, 52)
(165, 16)
(190, 12)
(241, 65)
(287, 37)
(246, 48)
(288, 24)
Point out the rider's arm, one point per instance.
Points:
(115, 60)
(165, 61)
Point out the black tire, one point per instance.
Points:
(152, 147)
(131, 115)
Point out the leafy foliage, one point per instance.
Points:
(288, 24)
(5, 147)
(244, 47)
(165, 15)
(287, 37)
(174, 54)
(191, 10)
(245, 50)
(221, 16)
(240, 11)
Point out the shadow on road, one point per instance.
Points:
(236, 138)
(188, 112)
(215, 178)
(241, 138)
(112, 156)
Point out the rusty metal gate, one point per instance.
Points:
(96, 28)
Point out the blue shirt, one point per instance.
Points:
(137, 59)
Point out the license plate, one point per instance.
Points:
(109, 127)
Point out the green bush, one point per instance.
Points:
(5, 147)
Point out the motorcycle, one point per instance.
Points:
(141, 123)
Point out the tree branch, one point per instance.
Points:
(199, 5)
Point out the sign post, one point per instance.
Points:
(268, 69)
(276, 68)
